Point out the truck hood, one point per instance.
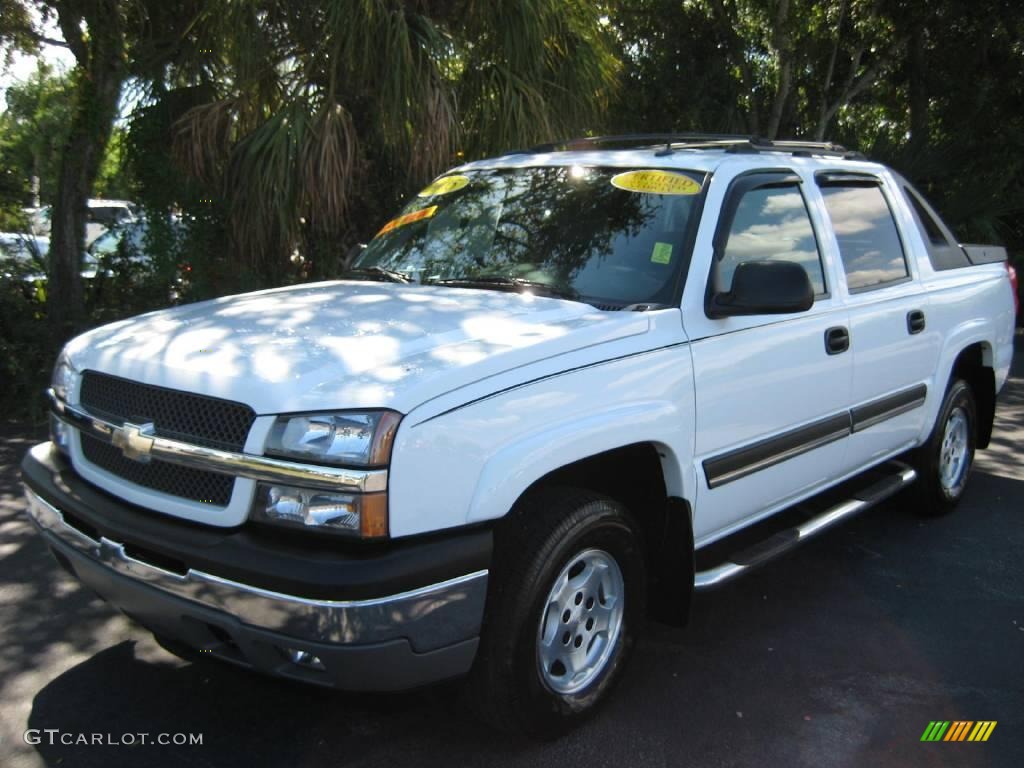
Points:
(346, 344)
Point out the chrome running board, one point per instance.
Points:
(742, 562)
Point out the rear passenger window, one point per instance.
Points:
(943, 251)
(869, 243)
(772, 224)
(929, 227)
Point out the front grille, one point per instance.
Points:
(191, 418)
(184, 416)
(193, 484)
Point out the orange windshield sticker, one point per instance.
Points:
(655, 182)
(407, 218)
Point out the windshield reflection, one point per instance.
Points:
(565, 228)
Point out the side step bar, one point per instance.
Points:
(748, 559)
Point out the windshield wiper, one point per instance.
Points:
(379, 273)
(498, 282)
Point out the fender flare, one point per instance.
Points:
(518, 465)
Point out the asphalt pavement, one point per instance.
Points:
(837, 655)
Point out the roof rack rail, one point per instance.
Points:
(642, 139)
(671, 141)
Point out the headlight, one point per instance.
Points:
(344, 438)
(360, 439)
(65, 378)
(356, 514)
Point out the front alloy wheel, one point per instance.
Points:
(580, 624)
(566, 602)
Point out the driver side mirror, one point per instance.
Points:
(764, 288)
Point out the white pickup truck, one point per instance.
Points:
(556, 392)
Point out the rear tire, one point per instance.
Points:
(566, 602)
(944, 462)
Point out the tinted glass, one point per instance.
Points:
(929, 227)
(772, 223)
(569, 228)
(107, 215)
(869, 243)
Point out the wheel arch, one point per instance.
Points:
(974, 364)
(639, 476)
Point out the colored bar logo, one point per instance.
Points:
(958, 730)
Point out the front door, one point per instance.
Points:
(772, 391)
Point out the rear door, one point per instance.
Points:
(771, 397)
(894, 351)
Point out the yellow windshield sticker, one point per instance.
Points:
(662, 253)
(655, 182)
(408, 218)
(444, 185)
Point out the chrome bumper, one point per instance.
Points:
(430, 617)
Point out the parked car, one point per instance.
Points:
(557, 391)
(102, 215)
(106, 214)
(24, 248)
(23, 256)
(38, 220)
(127, 240)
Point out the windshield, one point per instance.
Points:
(108, 215)
(107, 243)
(606, 236)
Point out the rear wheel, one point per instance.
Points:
(944, 463)
(565, 605)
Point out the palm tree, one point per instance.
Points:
(313, 116)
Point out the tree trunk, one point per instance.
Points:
(782, 41)
(724, 16)
(824, 118)
(98, 75)
(920, 119)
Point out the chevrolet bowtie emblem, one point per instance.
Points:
(134, 440)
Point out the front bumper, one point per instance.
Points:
(390, 642)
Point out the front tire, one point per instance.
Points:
(566, 603)
(944, 463)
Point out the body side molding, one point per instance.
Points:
(745, 460)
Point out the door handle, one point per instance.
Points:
(915, 321)
(837, 340)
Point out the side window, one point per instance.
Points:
(772, 223)
(943, 251)
(869, 242)
(929, 227)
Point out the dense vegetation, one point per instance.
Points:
(282, 132)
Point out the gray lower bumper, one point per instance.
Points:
(388, 643)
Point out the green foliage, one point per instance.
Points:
(33, 132)
(25, 355)
(677, 75)
(934, 90)
(314, 118)
(33, 128)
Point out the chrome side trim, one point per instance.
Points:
(262, 468)
(888, 407)
(429, 617)
(738, 463)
